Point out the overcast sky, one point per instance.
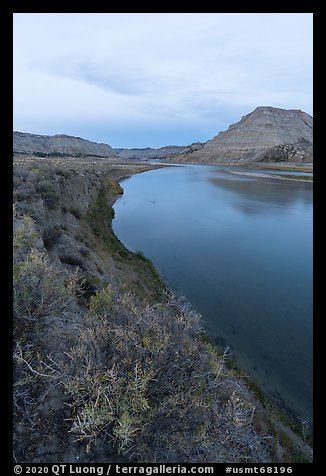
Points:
(154, 79)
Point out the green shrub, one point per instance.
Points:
(25, 235)
(141, 255)
(154, 388)
(38, 288)
(47, 191)
(101, 302)
(99, 217)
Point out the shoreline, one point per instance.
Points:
(291, 166)
(74, 178)
(275, 416)
(280, 407)
(291, 170)
(293, 178)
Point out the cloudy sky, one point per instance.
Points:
(154, 79)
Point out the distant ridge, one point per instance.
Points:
(60, 144)
(267, 134)
(149, 152)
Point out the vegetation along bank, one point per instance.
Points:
(111, 366)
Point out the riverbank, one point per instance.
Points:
(282, 166)
(276, 176)
(288, 171)
(239, 249)
(64, 212)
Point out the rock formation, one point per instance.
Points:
(149, 153)
(266, 134)
(59, 144)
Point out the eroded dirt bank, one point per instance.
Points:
(110, 366)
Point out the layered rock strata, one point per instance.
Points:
(266, 134)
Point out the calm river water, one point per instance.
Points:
(239, 248)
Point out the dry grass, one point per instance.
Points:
(141, 378)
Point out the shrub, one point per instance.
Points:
(21, 172)
(99, 217)
(61, 172)
(38, 289)
(22, 191)
(72, 260)
(52, 200)
(50, 196)
(154, 388)
(141, 255)
(25, 235)
(100, 303)
(51, 236)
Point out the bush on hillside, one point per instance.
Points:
(39, 288)
(139, 378)
(142, 378)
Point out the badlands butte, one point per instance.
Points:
(109, 365)
(266, 136)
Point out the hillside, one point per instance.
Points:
(109, 366)
(60, 144)
(149, 153)
(267, 134)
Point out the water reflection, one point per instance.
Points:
(240, 249)
(255, 193)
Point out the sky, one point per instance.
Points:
(156, 79)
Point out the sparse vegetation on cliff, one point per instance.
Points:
(151, 386)
(109, 365)
(100, 215)
(137, 375)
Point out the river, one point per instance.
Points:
(239, 248)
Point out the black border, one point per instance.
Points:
(6, 16)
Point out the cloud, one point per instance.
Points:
(171, 70)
